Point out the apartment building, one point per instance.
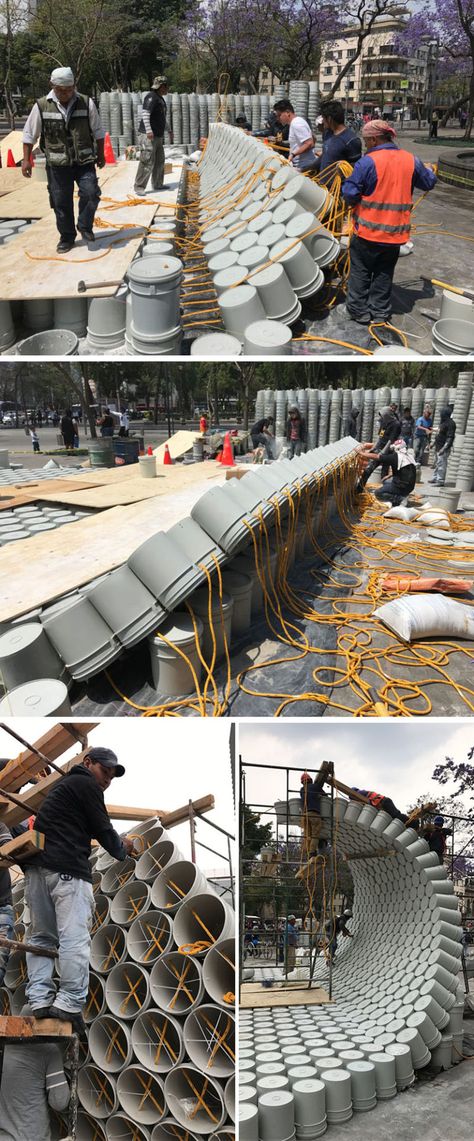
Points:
(381, 78)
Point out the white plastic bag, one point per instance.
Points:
(404, 513)
(436, 517)
(427, 616)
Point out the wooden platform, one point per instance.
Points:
(37, 570)
(28, 197)
(292, 994)
(22, 494)
(22, 847)
(31, 269)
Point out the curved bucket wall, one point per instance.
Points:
(176, 983)
(157, 1041)
(149, 937)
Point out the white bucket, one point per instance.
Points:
(155, 288)
(199, 603)
(239, 587)
(172, 676)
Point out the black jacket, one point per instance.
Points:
(5, 881)
(301, 423)
(156, 107)
(73, 814)
(445, 436)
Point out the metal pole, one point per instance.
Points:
(191, 832)
(333, 878)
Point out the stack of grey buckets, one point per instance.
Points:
(159, 1063)
(82, 633)
(397, 996)
(189, 115)
(326, 410)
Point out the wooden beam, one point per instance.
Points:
(13, 1026)
(349, 791)
(54, 743)
(123, 812)
(32, 800)
(29, 844)
(181, 815)
(27, 948)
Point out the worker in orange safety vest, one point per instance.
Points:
(380, 190)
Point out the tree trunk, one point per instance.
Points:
(452, 110)
(470, 116)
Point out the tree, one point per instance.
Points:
(84, 36)
(447, 28)
(359, 18)
(254, 837)
(12, 21)
(460, 772)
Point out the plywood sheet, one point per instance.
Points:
(119, 491)
(12, 142)
(37, 570)
(293, 994)
(20, 496)
(29, 198)
(10, 180)
(31, 269)
(178, 445)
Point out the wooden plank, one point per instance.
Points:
(178, 445)
(31, 200)
(292, 994)
(134, 489)
(31, 269)
(181, 815)
(136, 815)
(21, 848)
(25, 1027)
(53, 744)
(12, 142)
(37, 570)
(32, 800)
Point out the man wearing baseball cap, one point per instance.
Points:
(151, 133)
(58, 884)
(72, 138)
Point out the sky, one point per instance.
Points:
(167, 762)
(395, 757)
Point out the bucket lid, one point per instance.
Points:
(240, 295)
(178, 628)
(35, 699)
(216, 344)
(19, 638)
(155, 268)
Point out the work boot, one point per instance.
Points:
(41, 1012)
(87, 235)
(65, 245)
(72, 1016)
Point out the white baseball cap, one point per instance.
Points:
(62, 77)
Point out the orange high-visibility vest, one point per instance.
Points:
(384, 216)
(375, 798)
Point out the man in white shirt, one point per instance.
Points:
(72, 139)
(300, 136)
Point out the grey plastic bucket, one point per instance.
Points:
(101, 453)
(50, 343)
(43, 697)
(155, 288)
(239, 586)
(71, 313)
(26, 654)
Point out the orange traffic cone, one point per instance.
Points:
(10, 159)
(227, 457)
(109, 151)
(167, 458)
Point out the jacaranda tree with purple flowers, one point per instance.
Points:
(447, 27)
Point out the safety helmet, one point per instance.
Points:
(439, 820)
(305, 777)
(348, 913)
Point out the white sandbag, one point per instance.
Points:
(434, 518)
(405, 513)
(427, 616)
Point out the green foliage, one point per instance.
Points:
(255, 837)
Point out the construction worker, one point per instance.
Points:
(58, 884)
(33, 1080)
(379, 800)
(335, 927)
(400, 461)
(72, 138)
(311, 823)
(389, 431)
(151, 135)
(444, 441)
(436, 835)
(380, 190)
(291, 940)
(7, 914)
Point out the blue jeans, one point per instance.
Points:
(61, 911)
(61, 181)
(7, 924)
(389, 491)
